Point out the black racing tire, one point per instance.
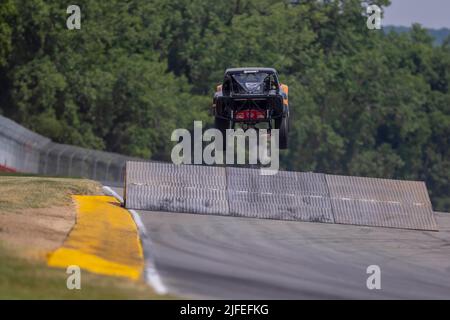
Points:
(283, 125)
(222, 125)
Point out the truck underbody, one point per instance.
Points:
(249, 96)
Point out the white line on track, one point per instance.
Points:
(111, 192)
(151, 274)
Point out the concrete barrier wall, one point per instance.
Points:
(298, 196)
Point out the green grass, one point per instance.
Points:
(24, 279)
(21, 192)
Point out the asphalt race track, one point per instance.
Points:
(201, 256)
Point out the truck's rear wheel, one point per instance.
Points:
(222, 125)
(283, 125)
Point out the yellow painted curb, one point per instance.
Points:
(104, 240)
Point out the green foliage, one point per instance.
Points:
(363, 102)
(7, 13)
(439, 35)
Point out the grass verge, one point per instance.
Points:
(22, 192)
(24, 279)
(38, 211)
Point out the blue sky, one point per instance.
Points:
(429, 13)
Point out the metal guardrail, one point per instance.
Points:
(19, 147)
(299, 196)
(22, 150)
(167, 187)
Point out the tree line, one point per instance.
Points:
(363, 102)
